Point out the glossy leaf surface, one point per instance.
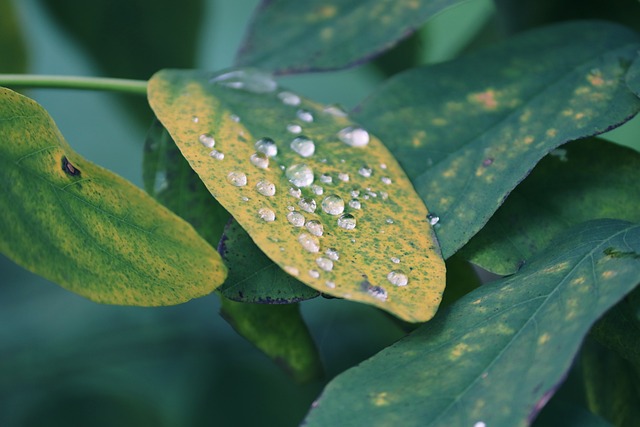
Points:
(87, 229)
(468, 131)
(289, 36)
(332, 207)
(582, 180)
(497, 355)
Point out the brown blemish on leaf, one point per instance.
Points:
(487, 99)
(608, 274)
(595, 78)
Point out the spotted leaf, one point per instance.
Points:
(87, 229)
(318, 194)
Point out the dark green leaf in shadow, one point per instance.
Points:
(498, 354)
(583, 180)
(13, 51)
(87, 229)
(612, 384)
(253, 277)
(468, 131)
(401, 57)
(565, 414)
(633, 77)
(289, 36)
(280, 332)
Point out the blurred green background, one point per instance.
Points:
(66, 361)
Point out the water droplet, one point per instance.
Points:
(385, 180)
(354, 136)
(235, 118)
(304, 115)
(326, 179)
(207, 140)
(266, 188)
(296, 218)
(266, 214)
(354, 193)
(332, 254)
(291, 208)
(324, 263)
(303, 146)
(161, 182)
(347, 221)
(389, 221)
(365, 171)
(251, 80)
(335, 111)
(384, 195)
(315, 227)
(314, 273)
(383, 165)
(398, 278)
(259, 160)
(377, 292)
(293, 128)
(309, 242)
(217, 155)
(433, 218)
(344, 177)
(333, 205)
(295, 192)
(300, 175)
(317, 190)
(195, 119)
(307, 204)
(355, 204)
(395, 260)
(238, 179)
(244, 198)
(330, 284)
(267, 146)
(480, 424)
(289, 98)
(291, 270)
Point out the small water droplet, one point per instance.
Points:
(293, 128)
(207, 140)
(330, 284)
(377, 292)
(326, 179)
(395, 260)
(344, 177)
(235, 118)
(309, 242)
(314, 273)
(291, 270)
(248, 79)
(195, 119)
(333, 205)
(487, 162)
(317, 190)
(289, 98)
(217, 155)
(347, 221)
(266, 214)
(385, 180)
(238, 179)
(295, 192)
(354, 136)
(384, 195)
(296, 218)
(354, 204)
(307, 204)
(315, 227)
(161, 182)
(433, 218)
(303, 146)
(389, 221)
(266, 188)
(398, 278)
(335, 111)
(324, 263)
(304, 115)
(383, 165)
(291, 208)
(300, 175)
(332, 254)
(365, 171)
(354, 193)
(244, 198)
(267, 146)
(259, 160)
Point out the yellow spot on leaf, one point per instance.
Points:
(556, 268)
(459, 350)
(419, 138)
(551, 133)
(487, 99)
(380, 399)
(578, 281)
(595, 78)
(543, 338)
(328, 11)
(578, 116)
(528, 139)
(608, 274)
(476, 302)
(439, 121)
(326, 33)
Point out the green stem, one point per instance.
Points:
(137, 87)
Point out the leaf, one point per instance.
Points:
(633, 77)
(279, 332)
(583, 180)
(566, 414)
(87, 229)
(13, 52)
(468, 131)
(498, 354)
(237, 109)
(253, 277)
(288, 36)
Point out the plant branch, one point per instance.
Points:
(137, 87)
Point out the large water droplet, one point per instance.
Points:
(307, 204)
(398, 278)
(289, 98)
(309, 242)
(296, 218)
(333, 205)
(326, 179)
(355, 204)
(207, 140)
(295, 192)
(267, 146)
(266, 214)
(385, 180)
(433, 218)
(317, 190)
(304, 115)
(332, 254)
(266, 188)
(324, 263)
(303, 146)
(238, 179)
(300, 175)
(344, 177)
(217, 155)
(251, 80)
(293, 128)
(315, 227)
(347, 221)
(354, 136)
(259, 160)
(314, 273)
(365, 171)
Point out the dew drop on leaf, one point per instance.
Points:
(335, 111)
(300, 175)
(291, 270)
(315, 227)
(326, 179)
(333, 205)
(267, 146)
(347, 221)
(354, 136)
(332, 254)
(238, 179)
(293, 128)
(314, 273)
(433, 218)
(365, 171)
(305, 116)
(207, 140)
(295, 192)
(309, 242)
(354, 204)
(303, 146)
(259, 160)
(217, 155)
(266, 188)
(385, 180)
(266, 214)
(251, 80)
(344, 177)
(398, 278)
(378, 292)
(296, 219)
(317, 190)
(289, 98)
(395, 260)
(307, 204)
(325, 263)
(329, 284)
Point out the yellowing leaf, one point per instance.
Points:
(320, 196)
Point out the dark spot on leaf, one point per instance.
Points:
(68, 168)
(613, 253)
(487, 162)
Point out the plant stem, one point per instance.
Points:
(137, 87)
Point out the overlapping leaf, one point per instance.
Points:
(498, 354)
(336, 210)
(13, 55)
(88, 229)
(468, 131)
(633, 76)
(583, 180)
(289, 36)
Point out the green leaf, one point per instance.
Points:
(87, 229)
(633, 77)
(583, 180)
(499, 353)
(280, 332)
(565, 414)
(253, 277)
(468, 131)
(288, 36)
(377, 248)
(13, 52)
